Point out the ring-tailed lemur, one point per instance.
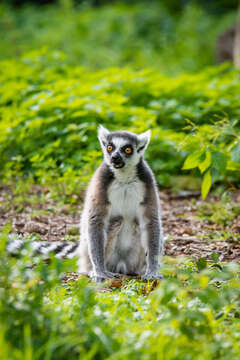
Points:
(121, 221)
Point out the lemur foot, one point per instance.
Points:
(101, 276)
(152, 276)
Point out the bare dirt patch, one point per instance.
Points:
(186, 232)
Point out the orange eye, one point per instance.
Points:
(109, 148)
(128, 150)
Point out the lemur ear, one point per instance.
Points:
(102, 134)
(143, 140)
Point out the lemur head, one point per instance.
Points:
(122, 148)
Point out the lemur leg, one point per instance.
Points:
(152, 239)
(96, 245)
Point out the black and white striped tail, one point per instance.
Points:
(62, 249)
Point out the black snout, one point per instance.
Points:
(116, 157)
(117, 160)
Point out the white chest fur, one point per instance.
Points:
(126, 254)
(125, 199)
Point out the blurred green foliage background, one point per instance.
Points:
(172, 36)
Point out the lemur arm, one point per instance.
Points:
(153, 237)
(154, 245)
(96, 241)
(98, 201)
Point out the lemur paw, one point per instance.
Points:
(101, 276)
(110, 274)
(152, 276)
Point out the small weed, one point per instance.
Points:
(219, 213)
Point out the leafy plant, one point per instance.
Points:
(214, 151)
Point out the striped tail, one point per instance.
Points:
(62, 249)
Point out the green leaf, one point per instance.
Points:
(215, 257)
(236, 153)
(206, 163)
(233, 165)
(219, 161)
(206, 184)
(193, 160)
(201, 264)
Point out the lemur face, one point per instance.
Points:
(120, 151)
(122, 148)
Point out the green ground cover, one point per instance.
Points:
(192, 314)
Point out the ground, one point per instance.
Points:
(192, 227)
(188, 223)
